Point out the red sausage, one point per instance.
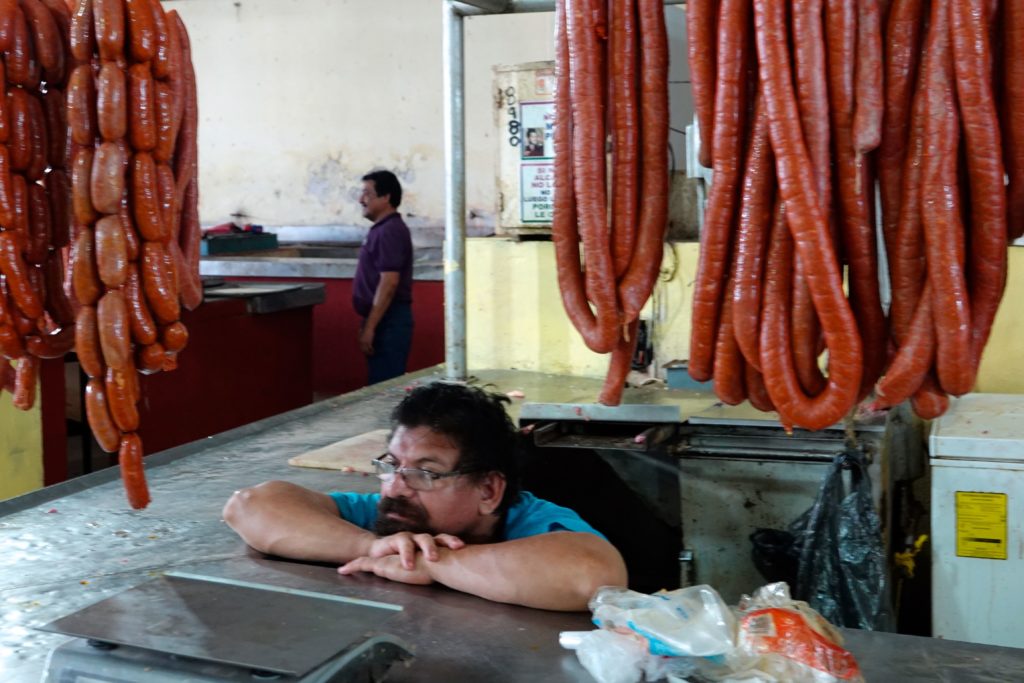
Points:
(867, 118)
(81, 95)
(902, 44)
(729, 364)
(625, 132)
(757, 393)
(118, 385)
(158, 284)
(84, 276)
(106, 182)
(973, 65)
(940, 209)
(108, 16)
(52, 345)
(115, 335)
(619, 365)
(809, 227)
(912, 362)
(598, 335)
(930, 401)
(730, 107)
(82, 210)
(146, 199)
(57, 303)
(143, 328)
(855, 200)
(142, 33)
(111, 102)
(13, 267)
(87, 342)
(141, 108)
(1013, 68)
(636, 284)
(83, 35)
(98, 413)
(191, 244)
(132, 474)
(20, 141)
(25, 377)
(111, 252)
(701, 23)
(589, 169)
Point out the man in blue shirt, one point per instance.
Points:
(450, 510)
(382, 287)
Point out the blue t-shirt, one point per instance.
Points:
(528, 516)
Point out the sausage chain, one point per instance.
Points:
(99, 230)
(618, 47)
(894, 88)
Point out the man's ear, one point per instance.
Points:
(492, 490)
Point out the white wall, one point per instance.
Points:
(299, 98)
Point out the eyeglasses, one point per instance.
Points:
(415, 478)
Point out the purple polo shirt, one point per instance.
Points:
(388, 248)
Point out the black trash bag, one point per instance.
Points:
(838, 551)
(775, 555)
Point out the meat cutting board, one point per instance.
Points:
(354, 454)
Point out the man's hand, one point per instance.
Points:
(392, 568)
(366, 340)
(406, 545)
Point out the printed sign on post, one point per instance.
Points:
(538, 124)
(537, 192)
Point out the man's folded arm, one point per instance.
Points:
(280, 518)
(558, 570)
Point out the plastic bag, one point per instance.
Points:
(689, 622)
(785, 640)
(690, 635)
(837, 549)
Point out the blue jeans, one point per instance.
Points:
(391, 342)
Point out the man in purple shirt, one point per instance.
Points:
(382, 289)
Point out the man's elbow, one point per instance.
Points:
(602, 568)
(242, 514)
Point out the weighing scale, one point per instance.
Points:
(205, 629)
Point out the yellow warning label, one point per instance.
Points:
(981, 525)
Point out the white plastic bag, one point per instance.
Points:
(688, 622)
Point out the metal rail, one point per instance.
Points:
(454, 11)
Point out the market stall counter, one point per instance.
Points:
(77, 543)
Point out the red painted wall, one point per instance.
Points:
(238, 368)
(338, 365)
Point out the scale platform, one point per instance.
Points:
(206, 629)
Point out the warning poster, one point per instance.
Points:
(981, 525)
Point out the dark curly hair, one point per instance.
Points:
(476, 422)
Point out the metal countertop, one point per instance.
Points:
(73, 544)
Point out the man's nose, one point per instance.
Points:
(397, 487)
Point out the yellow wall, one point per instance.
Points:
(21, 448)
(515, 317)
(1002, 366)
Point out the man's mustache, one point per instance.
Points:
(414, 517)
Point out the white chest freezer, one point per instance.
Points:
(977, 515)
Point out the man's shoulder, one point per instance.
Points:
(531, 515)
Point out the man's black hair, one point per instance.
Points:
(476, 422)
(385, 183)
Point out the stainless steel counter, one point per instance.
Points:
(73, 544)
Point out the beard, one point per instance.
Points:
(414, 518)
